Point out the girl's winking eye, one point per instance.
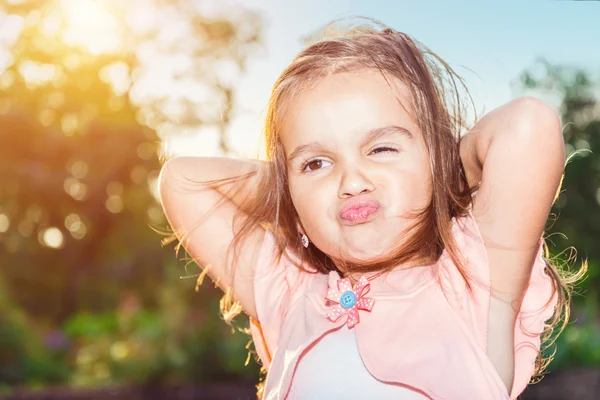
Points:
(308, 162)
(385, 150)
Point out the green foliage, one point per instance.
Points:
(132, 345)
(579, 344)
(23, 356)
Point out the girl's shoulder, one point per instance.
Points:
(279, 282)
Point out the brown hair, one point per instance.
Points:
(435, 99)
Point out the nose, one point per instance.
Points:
(354, 182)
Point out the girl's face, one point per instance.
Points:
(348, 142)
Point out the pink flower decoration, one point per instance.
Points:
(349, 300)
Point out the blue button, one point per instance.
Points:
(348, 299)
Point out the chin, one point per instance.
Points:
(362, 256)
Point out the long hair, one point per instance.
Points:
(435, 99)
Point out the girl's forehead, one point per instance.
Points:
(345, 106)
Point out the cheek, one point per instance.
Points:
(413, 188)
(311, 204)
(421, 182)
(301, 199)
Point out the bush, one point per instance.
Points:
(24, 357)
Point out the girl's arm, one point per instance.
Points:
(202, 169)
(205, 231)
(517, 152)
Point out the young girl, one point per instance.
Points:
(368, 266)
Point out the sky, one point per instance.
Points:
(488, 43)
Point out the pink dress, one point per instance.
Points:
(425, 332)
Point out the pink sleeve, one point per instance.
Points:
(277, 285)
(536, 308)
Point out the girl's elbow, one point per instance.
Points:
(538, 119)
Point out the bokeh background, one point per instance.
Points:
(95, 94)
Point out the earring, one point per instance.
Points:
(305, 240)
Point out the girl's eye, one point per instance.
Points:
(384, 150)
(317, 163)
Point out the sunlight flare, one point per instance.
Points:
(92, 25)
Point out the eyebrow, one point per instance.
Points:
(369, 136)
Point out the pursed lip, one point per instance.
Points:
(367, 206)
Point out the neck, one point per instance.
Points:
(355, 276)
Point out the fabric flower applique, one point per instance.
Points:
(349, 300)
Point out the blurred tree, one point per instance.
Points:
(81, 101)
(87, 88)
